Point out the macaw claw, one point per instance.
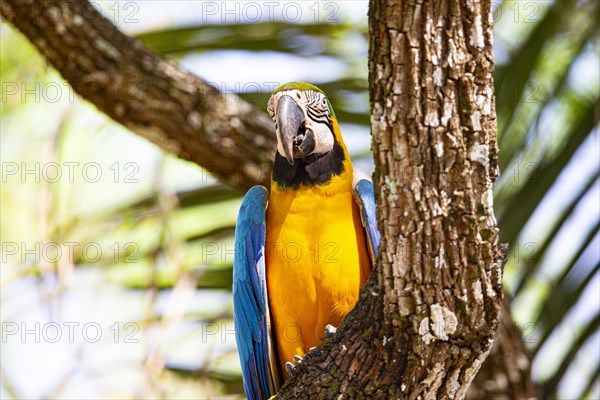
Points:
(291, 368)
(330, 330)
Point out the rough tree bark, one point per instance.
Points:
(432, 119)
(148, 94)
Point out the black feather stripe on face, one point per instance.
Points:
(320, 117)
(317, 116)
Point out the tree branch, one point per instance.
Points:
(148, 94)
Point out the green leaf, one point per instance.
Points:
(512, 78)
(565, 293)
(300, 39)
(549, 387)
(592, 381)
(534, 262)
(548, 80)
(543, 177)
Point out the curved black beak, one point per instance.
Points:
(290, 120)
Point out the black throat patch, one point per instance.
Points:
(309, 171)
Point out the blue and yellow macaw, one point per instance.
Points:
(302, 256)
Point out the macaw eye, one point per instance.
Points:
(323, 104)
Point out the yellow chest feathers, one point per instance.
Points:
(316, 262)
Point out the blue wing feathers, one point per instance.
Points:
(262, 350)
(365, 196)
(249, 293)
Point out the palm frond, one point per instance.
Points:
(549, 387)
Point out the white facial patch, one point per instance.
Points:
(323, 137)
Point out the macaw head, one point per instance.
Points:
(310, 149)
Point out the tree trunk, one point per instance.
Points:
(148, 94)
(506, 373)
(427, 319)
